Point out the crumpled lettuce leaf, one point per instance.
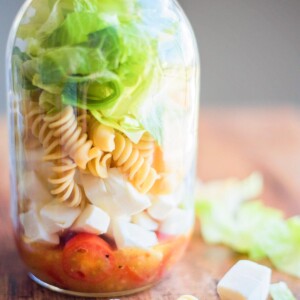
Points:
(280, 291)
(228, 217)
(75, 29)
(126, 124)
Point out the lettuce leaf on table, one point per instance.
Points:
(280, 291)
(228, 217)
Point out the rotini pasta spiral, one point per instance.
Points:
(75, 143)
(65, 188)
(83, 119)
(146, 146)
(30, 141)
(98, 166)
(102, 136)
(71, 137)
(131, 162)
(40, 129)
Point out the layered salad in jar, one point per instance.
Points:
(104, 144)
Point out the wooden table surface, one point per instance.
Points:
(232, 143)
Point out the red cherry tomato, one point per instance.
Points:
(87, 257)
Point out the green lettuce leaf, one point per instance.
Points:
(51, 103)
(56, 65)
(106, 6)
(282, 246)
(74, 30)
(100, 93)
(30, 28)
(21, 71)
(126, 124)
(280, 291)
(228, 217)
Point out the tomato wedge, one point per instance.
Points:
(87, 257)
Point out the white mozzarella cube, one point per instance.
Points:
(92, 220)
(161, 207)
(131, 235)
(115, 195)
(110, 230)
(246, 280)
(58, 216)
(178, 222)
(33, 188)
(34, 230)
(145, 221)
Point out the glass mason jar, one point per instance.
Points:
(103, 110)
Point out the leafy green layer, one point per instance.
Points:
(96, 55)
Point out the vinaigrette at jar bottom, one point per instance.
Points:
(91, 264)
(103, 114)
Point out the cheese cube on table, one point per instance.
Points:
(92, 220)
(34, 230)
(131, 235)
(145, 221)
(246, 280)
(58, 216)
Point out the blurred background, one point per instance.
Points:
(250, 50)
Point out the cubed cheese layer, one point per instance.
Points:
(246, 280)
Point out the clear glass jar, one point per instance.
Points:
(103, 110)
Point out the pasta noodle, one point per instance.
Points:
(146, 146)
(30, 141)
(131, 162)
(40, 129)
(99, 165)
(74, 141)
(166, 184)
(65, 188)
(72, 138)
(102, 136)
(83, 119)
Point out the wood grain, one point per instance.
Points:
(232, 143)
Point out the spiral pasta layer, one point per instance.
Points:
(131, 162)
(65, 188)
